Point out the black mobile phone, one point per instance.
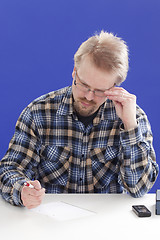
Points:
(141, 211)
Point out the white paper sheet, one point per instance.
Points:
(62, 211)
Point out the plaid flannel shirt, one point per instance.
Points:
(51, 145)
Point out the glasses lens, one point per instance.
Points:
(86, 89)
(82, 87)
(99, 93)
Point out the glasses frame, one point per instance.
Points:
(87, 89)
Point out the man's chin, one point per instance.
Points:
(84, 111)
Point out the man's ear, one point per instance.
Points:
(73, 73)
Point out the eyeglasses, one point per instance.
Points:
(82, 87)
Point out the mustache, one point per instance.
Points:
(86, 101)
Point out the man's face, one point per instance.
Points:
(88, 76)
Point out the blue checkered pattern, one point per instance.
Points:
(50, 144)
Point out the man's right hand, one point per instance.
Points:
(32, 197)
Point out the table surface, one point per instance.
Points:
(114, 218)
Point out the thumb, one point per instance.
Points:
(36, 184)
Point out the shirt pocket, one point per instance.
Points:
(104, 166)
(54, 166)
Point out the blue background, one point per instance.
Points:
(38, 39)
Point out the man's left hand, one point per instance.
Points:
(125, 104)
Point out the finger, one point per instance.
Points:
(32, 205)
(116, 91)
(36, 184)
(32, 191)
(36, 193)
(119, 98)
(35, 199)
(31, 200)
(119, 95)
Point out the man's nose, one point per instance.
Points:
(89, 95)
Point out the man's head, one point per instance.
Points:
(107, 52)
(100, 63)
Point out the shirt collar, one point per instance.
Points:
(106, 112)
(66, 106)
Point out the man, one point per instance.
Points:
(87, 138)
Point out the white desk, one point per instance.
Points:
(114, 219)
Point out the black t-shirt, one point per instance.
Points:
(86, 120)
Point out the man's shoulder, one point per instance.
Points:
(51, 97)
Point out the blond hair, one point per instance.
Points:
(108, 52)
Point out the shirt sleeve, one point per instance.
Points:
(138, 167)
(21, 158)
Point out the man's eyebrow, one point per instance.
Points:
(82, 81)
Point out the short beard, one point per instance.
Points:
(82, 111)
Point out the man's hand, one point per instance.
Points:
(125, 104)
(32, 197)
